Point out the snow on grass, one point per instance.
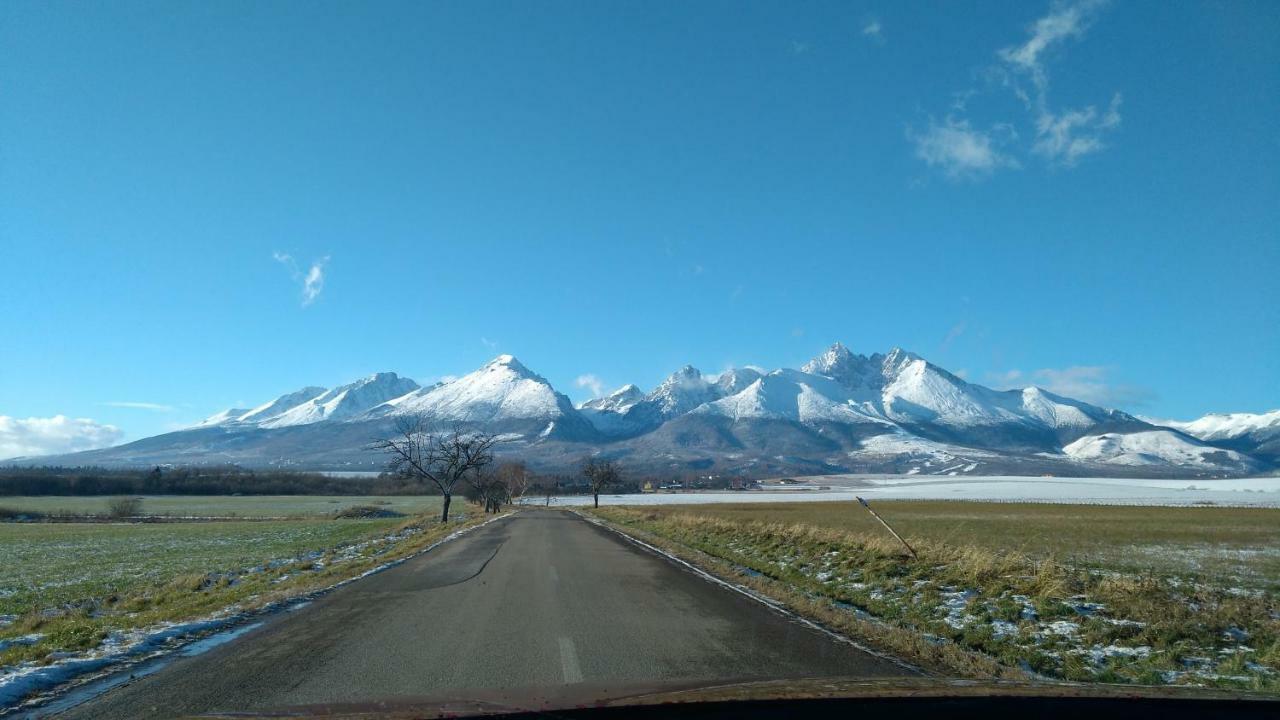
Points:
(1044, 616)
(1250, 492)
(61, 564)
(219, 600)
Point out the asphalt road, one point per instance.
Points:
(539, 604)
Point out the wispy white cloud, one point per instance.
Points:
(154, 407)
(799, 48)
(1065, 20)
(1066, 137)
(592, 383)
(1005, 380)
(960, 150)
(954, 333)
(1090, 383)
(873, 29)
(491, 344)
(53, 435)
(312, 281)
(1060, 136)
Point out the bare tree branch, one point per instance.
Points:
(600, 474)
(419, 451)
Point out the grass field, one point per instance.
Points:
(1113, 594)
(49, 565)
(246, 506)
(71, 587)
(1226, 545)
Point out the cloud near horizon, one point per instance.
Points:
(53, 435)
(592, 383)
(1089, 383)
(154, 407)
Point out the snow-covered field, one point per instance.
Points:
(1256, 492)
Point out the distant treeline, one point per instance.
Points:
(195, 481)
(234, 480)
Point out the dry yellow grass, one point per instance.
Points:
(968, 608)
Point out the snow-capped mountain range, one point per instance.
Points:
(840, 412)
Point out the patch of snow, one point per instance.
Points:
(346, 401)
(1099, 654)
(1244, 492)
(1063, 628)
(30, 639)
(1226, 426)
(1003, 628)
(1153, 447)
(503, 389)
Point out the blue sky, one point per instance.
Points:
(209, 204)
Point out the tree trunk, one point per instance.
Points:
(597, 497)
(444, 514)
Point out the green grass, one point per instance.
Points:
(247, 506)
(48, 565)
(1023, 587)
(1235, 545)
(72, 585)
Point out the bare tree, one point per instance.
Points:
(488, 488)
(496, 493)
(600, 474)
(515, 476)
(421, 452)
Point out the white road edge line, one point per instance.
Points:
(767, 602)
(569, 662)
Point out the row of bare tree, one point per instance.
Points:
(421, 450)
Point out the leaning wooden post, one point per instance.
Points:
(886, 527)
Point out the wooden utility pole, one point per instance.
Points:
(891, 530)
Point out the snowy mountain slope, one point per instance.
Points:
(607, 414)
(797, 396)
(921, 396)
(502, 395)
(843, 412)
(1154, 447)
(346, 401)
(862, 375)
(221, 418)
(503, 389)
(617, 401)
(1254, 434)
(735, 380)
(1228, 426)
(681, 392)
(914, 455)
(271, 410)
